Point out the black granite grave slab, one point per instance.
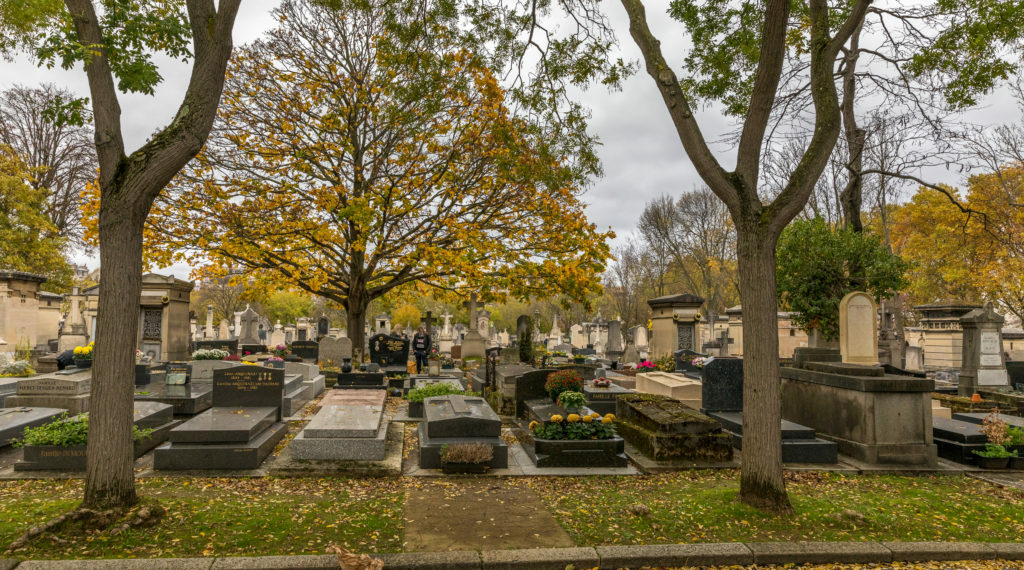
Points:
(306, 349)
(602, 399)
(460, 417)
(249, 386)
(684, 360)
(177, 373)
(196, 456)
(799, 443)
(1015, 370)
(13, 421)
(228, 345)
(960, 431)
(388, 350)
(187, 399)
(722, 385)
(225, 425)
(360, 380)
(979, 418)
(576, 453)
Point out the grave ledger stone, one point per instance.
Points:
(349, 426)
(238, 432)
(70, 392)
(451, 420)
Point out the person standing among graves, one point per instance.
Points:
(421, 347)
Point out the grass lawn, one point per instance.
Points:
(223, 517)
(702, 507)
(237, 517)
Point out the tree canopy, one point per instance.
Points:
(362, 148)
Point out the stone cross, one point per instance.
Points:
(471, 305)
(428, 321)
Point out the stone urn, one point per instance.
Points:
(346, 365)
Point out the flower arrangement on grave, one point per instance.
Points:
(84, 352)
(17, 369)
(447, 362)
(563, 381)
(645, 366)
(572, 401)
(559, 354)
(575, 427)
(232, 358)
(665, 364)
(998, 438)
(210, 354)
(698, 362)
(439, 389)
(275, 359)
(602, 382)
(280, 350)
(434, 354)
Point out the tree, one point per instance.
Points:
(28, 240)
(818, 265)
(287, 306)
(363, 149)
(695, 232)
(407, 315)
(227, 295)
(62, 154)
(116, 41)
(759, 34)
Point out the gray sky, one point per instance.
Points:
(640, 152)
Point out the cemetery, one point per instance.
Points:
(395, 285)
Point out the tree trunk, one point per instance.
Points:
(355, 312)
(110, 478)
(761, 481)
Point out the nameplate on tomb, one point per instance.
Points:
(53, 386)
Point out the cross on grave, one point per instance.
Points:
(471, 305)
(428, 322)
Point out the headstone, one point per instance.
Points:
(450, 420)
(614, 348)
(684, 360)
(208, 330)
(333, 351)
(576, 337)
(389, 351)
(522, 326)
(983, 359)
(249, 321)
(224, 330)
(277, 337)
(178, 373)
(323, 327)
(306, 349)
(248, 386)
(722, 385)
(858, 328)
(473, 343)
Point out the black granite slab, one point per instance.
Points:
(577, 453)
(387, 350)
(722, 385)
(249, 386)
(684, 359)
(959, 431)
(430, 449)
(186, 400)
(602, 399)
(460, 417)
(13, 421)
(979, 418)
(360, 380)
(225, 425)
(306, 349)
(197, 456)
(799, 443)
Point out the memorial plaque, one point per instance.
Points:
(242, 386)
(306, 349)
(991, 360)
(990, 343)
(388, 350)
(229, 345)
(178, 373)
(50, 386)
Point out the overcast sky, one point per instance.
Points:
(640, 152)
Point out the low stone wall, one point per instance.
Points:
(876, 418)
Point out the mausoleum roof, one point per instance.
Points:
(682, 299)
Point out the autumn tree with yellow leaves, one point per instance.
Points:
(970, 249)
(362, 148)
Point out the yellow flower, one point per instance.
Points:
(556, 418)
(588, 419)
(609, 417)
(533, 425)
(606, 420)
(78, 351)
(595, 415)
(573, 418)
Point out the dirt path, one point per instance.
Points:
(477, 514)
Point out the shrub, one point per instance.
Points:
(210, 354)
(418, 394)
(466, 453)
(1014, 435)
(17, 369)
(563, 381)
(67, 432)
(571, 399)
(995, 451)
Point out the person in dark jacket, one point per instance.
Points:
(421, 348)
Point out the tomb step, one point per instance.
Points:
(198, 456)
(958, 451)
(733, 421)
(979, 418)
(958, 431)
(293, 401)
(810, 450)
(345, 422)
(225, 425)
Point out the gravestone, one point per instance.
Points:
(238, 432)
(334, 351)
(473, 343)
(249, 321)
(389, 352)
(323, 327)
(522, 326)
(576, 336)
(614, 348)
(722, 385)
(450, 420)
(858, 328)
(185, 400)
(178, 373)
(230, 345)
(983, 364)
(684, 360)
(70, 392)
(306, 349)
(602, 399)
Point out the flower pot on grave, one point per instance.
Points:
(993, 462)
(458, 468)
(83, 362)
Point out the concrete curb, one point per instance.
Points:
(604, 557)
